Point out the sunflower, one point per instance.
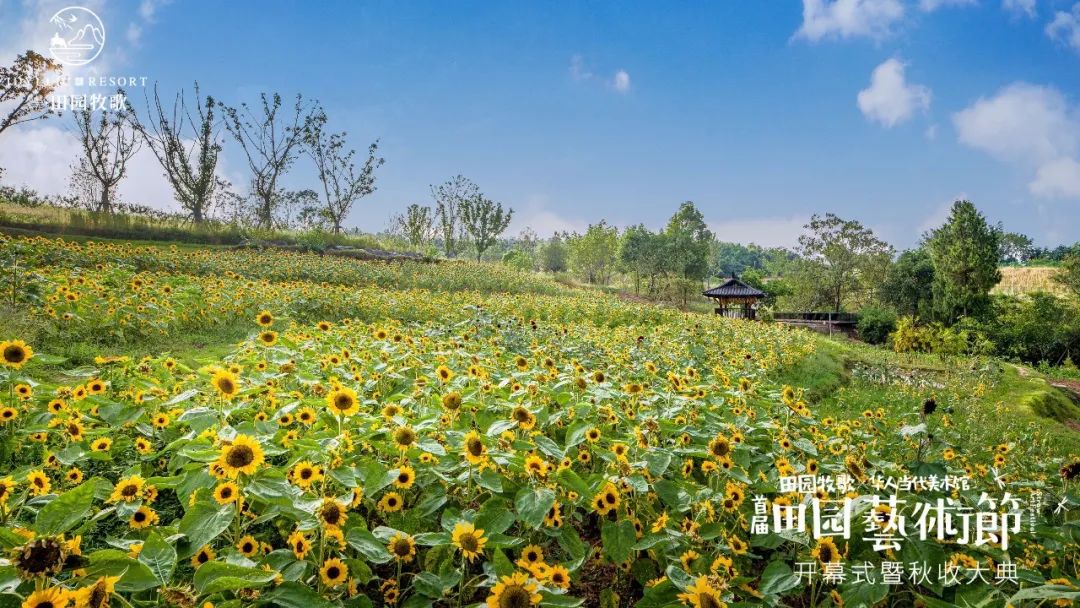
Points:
(391, 502)
(469, 540)
(523, 417)
(826, 551)
(42, 556)
(53, 597)
(243, 455)
(531, 554)
(402, 547)
(404, 437)
(474, 449)
(7, 414)
(305, 473)
(6, 486)
(143, 445)
(606, 500)
(444, 373)
(226, 383)
(204, 555)
(248, 546)
(738, 545)
(306, 416)
(102, 444)
(332, 513)
(96, 595)
(226, 492)
(342, 401)
(405, 477)
(144, 517)
(559, 576)
(452, 401)
(333, 572)
(299, 543)
(15, 353)
(39, 482)
(513, 591)
(128, 489)
(268, 337)
(702, 595)
(264, 318)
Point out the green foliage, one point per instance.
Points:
(842, 262)
(484, 220)
(687, 240)
(1041, 327)
(1069, 275)
(965, 255)
(875, 324)
(908, 286)
(593, 254)
(554, 255)
(1051, 403)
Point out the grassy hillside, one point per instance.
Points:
(273, 428)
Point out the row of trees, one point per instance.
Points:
(187, 138)
(462, 214)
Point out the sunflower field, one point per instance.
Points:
(455, 435)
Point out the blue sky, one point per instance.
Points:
(570, 112)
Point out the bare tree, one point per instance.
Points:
(108, 143)
(448, 200)
(189, 161)
(343, 182)
(25, 89)
(484, 220)
(271, 139)
(417, 224)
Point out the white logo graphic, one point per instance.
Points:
(79, 37)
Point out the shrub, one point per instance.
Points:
(875, 324)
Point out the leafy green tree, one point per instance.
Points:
(965, 253)
(449, 196)
(687, 243)
(417, 224)
(484, 220)
(594, 254)
(554, 254)
(909, 285)
(1015, 248)
(641, 255)
(1069, 274)
(841, 259)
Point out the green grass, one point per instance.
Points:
(988, 401)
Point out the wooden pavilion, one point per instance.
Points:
(735, 299)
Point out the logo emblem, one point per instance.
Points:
(79, 37)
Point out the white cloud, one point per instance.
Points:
(848, 18)
(578, 71)
(1057, 179)
(134, 34)
(931, 132)
(1065, 27)
(1032, 127)
(765, 231)
(542, 220)
(889, 99)
(621, 81)
(929, 6)
(1020, 7)
(1022, 122)
(148, 9)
